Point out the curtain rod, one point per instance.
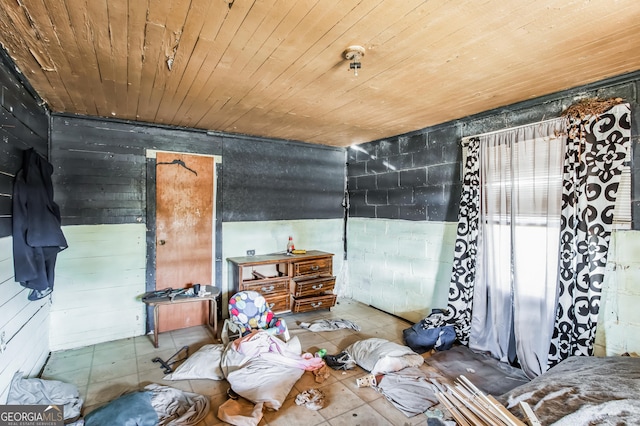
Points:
(510, 129)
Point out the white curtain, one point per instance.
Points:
(514, 296)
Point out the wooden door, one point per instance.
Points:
(184, 232)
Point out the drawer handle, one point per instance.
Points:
(315, 267)
(271, 305)
(316, 287)
(267, 289)
(316, 305)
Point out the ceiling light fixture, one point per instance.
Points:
(354, 54)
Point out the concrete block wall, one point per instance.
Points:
(619, 318)
(410, 177)
(401, 267)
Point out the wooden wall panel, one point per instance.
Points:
(281, 181)
(25, 325)
(103, 172)
(24, 123)
(103, 166)
(99, 281)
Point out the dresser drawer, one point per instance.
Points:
(268, 287)
(313, 303)
(313, 286)
(279, 303)
(323, 266)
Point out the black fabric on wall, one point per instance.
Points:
(37, 235)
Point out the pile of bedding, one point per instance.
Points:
(156, 405)
(399, 378)
(263, 369)
(32, 391)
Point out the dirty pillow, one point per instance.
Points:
(380, 356)
(203, 364)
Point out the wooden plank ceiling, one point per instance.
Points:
(275, 68)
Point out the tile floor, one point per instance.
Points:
(104, 371)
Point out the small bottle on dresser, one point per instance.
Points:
(290, 246)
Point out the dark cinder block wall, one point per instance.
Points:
(417, 176)
(412, 177)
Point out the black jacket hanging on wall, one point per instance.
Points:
(37, 236)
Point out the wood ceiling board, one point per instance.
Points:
(241, 46)
(169, 40)
(158, 11)
(233, 19)
(534, 73)
(283, 31)
(286, 125)
(316, 111)
(28, 49)
(81, 27)
(137, 14)
(174, 27)
(197, 17)
(286, 44)
(265, 39)
(243, 69)
(317, 38)
(184, 94)
(152, 52)
(67, 40)
(537, 83)
(48, 35)
(117, 11)
(156, 44)
(317, 87)
(99, 33)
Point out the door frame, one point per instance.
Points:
(150, 267)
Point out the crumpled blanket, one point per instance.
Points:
(177, 407)
(329, 325)
(24, 391)
(410, 390)
(155, 405)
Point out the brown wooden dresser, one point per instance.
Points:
(297, 283)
